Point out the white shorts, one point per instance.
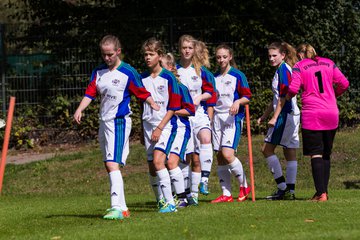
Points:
(226, 131)
(114, 139)
(285, 132)
(164, 144)
(180, 143)
(197, 123)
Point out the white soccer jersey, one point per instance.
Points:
(231, 87)
(114, 88)
(196, 84)
(280, 84)
(165, 92)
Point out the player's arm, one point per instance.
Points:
(159, 128)
(341, 82)
(83, 104)
(277, 111)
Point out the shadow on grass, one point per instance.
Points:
(75, 215)
(352, 184)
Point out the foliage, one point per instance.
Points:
(331, 26)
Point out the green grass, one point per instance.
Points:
(65, 198)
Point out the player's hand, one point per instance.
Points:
(260, 120)
(155, 107)
(77, 116)
(197, 100)
(272, 122)
(155, 136)
(234, 109)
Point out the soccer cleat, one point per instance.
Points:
(168, 208)
(113, 214)
(289, 195)
(182, 202)
(126, 214)
(161, 203)
(204, 188)
(322, 198)
(243, 193)
(193, 201)
(223, 198)
(277, 195)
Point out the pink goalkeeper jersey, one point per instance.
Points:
(321, 82)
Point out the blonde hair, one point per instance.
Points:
(110, 39)
(287, 49)
(307, 50)
(231, 51)
(196, 60)
(202, 54)
(169, 60)
(152, 44)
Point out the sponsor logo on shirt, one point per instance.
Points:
(227, 82)
(225, 95)
(110, 97)
(160, 102)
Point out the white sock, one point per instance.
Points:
(195, 181)
(224, 175)
(185, 168)
(237, 169)
(154, 183)
(275, 167)
(165, 185)
(117, 190)
(291, 172)
(177, 180)
(206, 159)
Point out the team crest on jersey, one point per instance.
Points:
(227, 83)
(161, 88)
(194, 78)
(115, 82)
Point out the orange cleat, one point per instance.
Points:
(322, 198)
(244, 193)
(223, 198)
(126, 214)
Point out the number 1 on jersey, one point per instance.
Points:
(319, 78)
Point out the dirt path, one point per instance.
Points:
(43, 153)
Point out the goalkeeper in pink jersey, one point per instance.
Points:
(321, 82)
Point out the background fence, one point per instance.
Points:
(36, 74)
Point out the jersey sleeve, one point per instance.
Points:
(295, 83)
(209, 86)
(284, 80)
(174, 93)
(186, 102)
(136, 87)
(340, 81)
(91, 91)
(243, 87)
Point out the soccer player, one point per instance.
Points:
(177, 159)
(193, 76)
(234, 92)
(114, 81)
(284, 124)
(160, 127)
(321, 82)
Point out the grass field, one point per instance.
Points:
(65, 198)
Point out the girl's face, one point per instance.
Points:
(152, 58)
(275, 57)
(223, 58)
(187, 50)
(110, 55)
